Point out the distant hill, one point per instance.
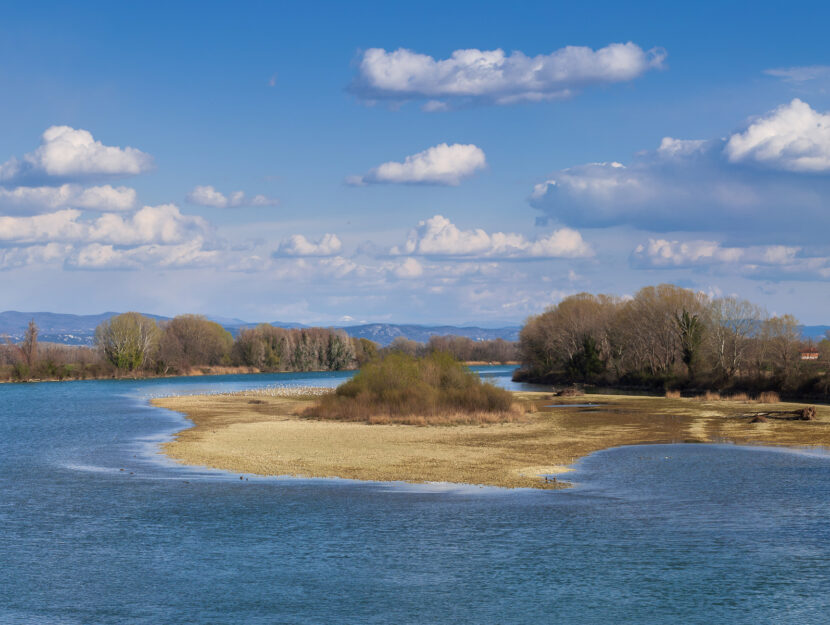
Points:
(815, 332)
(385, 333)
(55, 327)
(80, 329)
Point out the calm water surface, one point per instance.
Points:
(652, 534)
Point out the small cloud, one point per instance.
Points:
(439, 165)
(272, 82)
(208, 196)
(438, 236)
(28, 200)
(298, 245)
(410, 268)
(800, 74)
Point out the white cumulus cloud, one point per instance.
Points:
(758, 262)
(438, 236)
(441, 165)
(15, 257)
(793, 137)
(208, 196)
(298, 245)
(708, 185)
(27, 200)
(162, 224)
(69, 153)
(108, 257)
(492, 76)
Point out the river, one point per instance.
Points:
(96, 527)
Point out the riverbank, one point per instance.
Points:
(261, 433)
(197, 372)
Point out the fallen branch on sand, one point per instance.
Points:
(807, 413)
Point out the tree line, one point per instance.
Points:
(670, 337)
(134, 344)
(460, 347)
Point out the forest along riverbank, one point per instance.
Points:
(261, 432)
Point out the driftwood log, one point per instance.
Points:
(808, 413)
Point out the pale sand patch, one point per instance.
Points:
(697, 430)
(264, 435)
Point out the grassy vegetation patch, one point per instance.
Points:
(433, 390)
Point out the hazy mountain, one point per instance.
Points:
(80, 329)
(385, 333)
(815, 333)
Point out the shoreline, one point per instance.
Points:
(255, 433)
(218, 370)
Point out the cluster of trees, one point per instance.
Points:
(667, 336)
(134, 344)
(34, 359)
(460, 347)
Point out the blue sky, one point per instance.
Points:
(394, 167)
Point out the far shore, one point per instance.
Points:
(258, 432)
(218, 370)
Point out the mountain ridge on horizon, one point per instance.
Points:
(72, 329)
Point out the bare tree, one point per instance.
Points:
(128, 341)
(733, 324)
(28, 348)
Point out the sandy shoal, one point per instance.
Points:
(257, 434)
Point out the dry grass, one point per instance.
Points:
(514, 415)
(267, 438)
(769, 397)
(672, 394)
(738, 397)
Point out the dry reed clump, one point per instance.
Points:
(769, 397)
(672, 394)
(433, 390)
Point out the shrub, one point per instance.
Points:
(399, 388)
(672, 394)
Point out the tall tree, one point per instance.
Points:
(128, 341)
(28, 348)
(690, 329)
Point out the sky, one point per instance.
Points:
(467, 163)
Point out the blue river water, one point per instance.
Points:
(96, 527)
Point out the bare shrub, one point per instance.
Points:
(672, 394)
(434, 390)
